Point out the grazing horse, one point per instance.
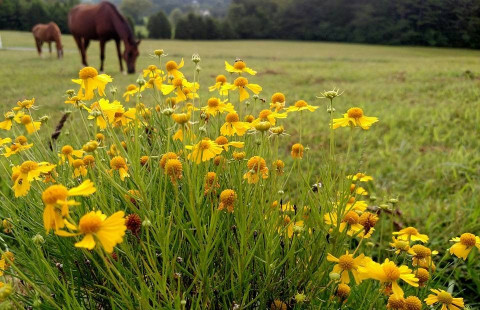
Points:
(103, 22)
(48, 33)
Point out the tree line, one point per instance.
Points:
(454, 23)
(24, 14)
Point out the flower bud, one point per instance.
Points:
(146, 223)
(38, 239)
(263, 126)
(334, 276)
(167, 111)
(158, 52)
(300, 298)
(196, 58)
(141, 81)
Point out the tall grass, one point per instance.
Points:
(182, 249)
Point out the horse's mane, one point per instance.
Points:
(126, 25)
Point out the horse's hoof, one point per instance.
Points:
(124, 72)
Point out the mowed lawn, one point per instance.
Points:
(424, 151)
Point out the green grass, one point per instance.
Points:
(425, 146)
(424, 150)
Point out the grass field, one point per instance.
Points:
(424, 150)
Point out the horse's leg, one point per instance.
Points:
(102, 54)
(50, 46)
(81, 47)
(39, 46)
(119, 53)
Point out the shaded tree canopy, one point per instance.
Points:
(159, 27)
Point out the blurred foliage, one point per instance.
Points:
(23, 15)
(159, 27)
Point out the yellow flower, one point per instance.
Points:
(233, 126)
(178, 84)
(121, 117)
(350, 221)
(25, 104)
(256, 166)
(360, 176)
(278, 165)
(224, 143)
(239, 67)
(240, 84)
(290, 227)
(411, 234)
(389, 273)
(400, 245)
(423, 276)
(445, 299)
(73, 100)
(7, 123)
(354, 117)
(79, 168)
(342, 292)
(204, 150)
(119, 163)
(57, 204)
(216, 106)
(96, 227)
(227, 200)
(396, 302)
(165, 157)
(5, 140)
(347, 264)
(211, 183)
(152, 71)
(301, 105)
(132, 90)
(268, 116)
(239, 155)
(220, 82)
(172, 68)
(174, 169)
(67, 154)
(26, 173)
(15, 148)
(103, 110)
(422, 256)
(464, 244)
(155, 82)
(297, 151)
(89, 80)
(30, 125)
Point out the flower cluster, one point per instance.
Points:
(192, 196)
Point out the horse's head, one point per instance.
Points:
(130, 55)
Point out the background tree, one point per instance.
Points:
(159, 27)
(136, 9)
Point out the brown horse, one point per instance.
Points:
(48, 33)
(103, 22)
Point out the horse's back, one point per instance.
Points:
(46, 32)
(91, 21)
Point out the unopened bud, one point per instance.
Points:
(334, 276)
(146, 223)
(38, 239)
(196, 58)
